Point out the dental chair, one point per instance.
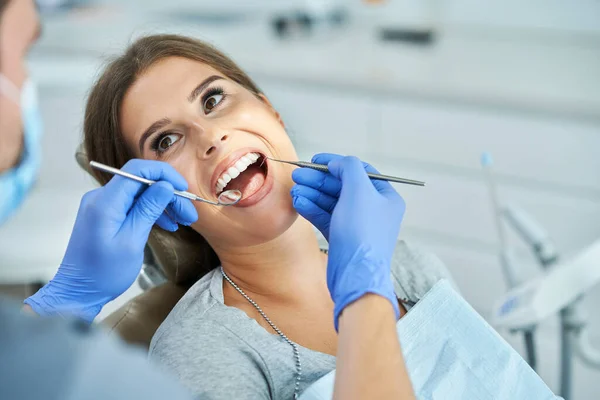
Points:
(172, 264)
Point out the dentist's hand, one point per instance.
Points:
(360, 219)
(106, 249)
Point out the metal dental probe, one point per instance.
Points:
(323, 168)
(227, 198)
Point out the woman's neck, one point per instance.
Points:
(286, 269)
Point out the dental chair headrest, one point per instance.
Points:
(181, 255)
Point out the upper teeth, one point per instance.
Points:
(234, 171)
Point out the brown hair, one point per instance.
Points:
(3, 4)
(103, 139)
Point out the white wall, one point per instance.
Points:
(543, 16)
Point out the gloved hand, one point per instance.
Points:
(360, 218)
(106, 249)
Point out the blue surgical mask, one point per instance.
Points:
(16, 183)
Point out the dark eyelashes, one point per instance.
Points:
(156, 141)
(212, 92)
(217, 90)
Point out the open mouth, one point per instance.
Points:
(248, 174)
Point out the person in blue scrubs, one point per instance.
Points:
(66, 358)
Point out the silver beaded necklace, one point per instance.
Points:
(275, 328)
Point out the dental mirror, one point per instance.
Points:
(226, 198)
(229, 197)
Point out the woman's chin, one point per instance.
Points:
(268, 219)
(271, 230)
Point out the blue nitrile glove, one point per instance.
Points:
(106, 249)
(360, 218)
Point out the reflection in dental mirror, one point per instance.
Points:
(229, 197)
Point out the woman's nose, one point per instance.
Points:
(210, 141)
(216, 143)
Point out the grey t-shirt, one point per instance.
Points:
(219, 352)
(56, 359)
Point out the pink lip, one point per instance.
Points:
(229, 162)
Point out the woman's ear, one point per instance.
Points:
(268, 103)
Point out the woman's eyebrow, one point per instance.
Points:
(200, 88)
(166, 121)
(151, 129)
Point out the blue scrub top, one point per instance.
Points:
(50, 359)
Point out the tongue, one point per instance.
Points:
(249, 181)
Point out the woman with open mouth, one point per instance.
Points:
(261, 307)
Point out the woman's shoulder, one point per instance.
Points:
(415, 270)
(200, 342)
(204, 353)
(193, 308)
(201, 320)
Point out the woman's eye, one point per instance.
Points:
(167, 141)
(211, 102)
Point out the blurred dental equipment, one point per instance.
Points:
(539, 298)
(308, 17)
(226, 198)
(507, 262)
(412, 23)
(323, 168)
(559, 288)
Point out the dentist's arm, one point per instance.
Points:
(361, 220)
(106, 249)
(369, 360)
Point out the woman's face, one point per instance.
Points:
(211, 129)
